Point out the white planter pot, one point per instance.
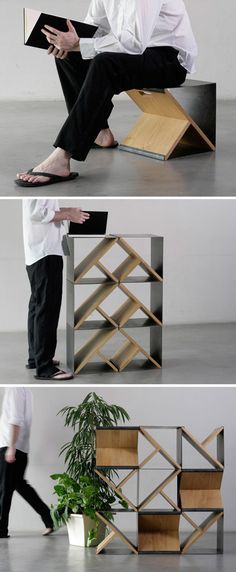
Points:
(78, 527)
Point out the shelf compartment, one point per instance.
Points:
(126, 267)
(201, 449)
(158, 533)
(125, 311)
(140, 349)
(142, 263)
(117, 448)
(93, 258)
(200, 490)
(91, 303)
(142, 306)
(91, 347)
(199, 531)
(125, 355)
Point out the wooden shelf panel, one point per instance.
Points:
(158, 533)
(125, 355)
(200, 531)
(126, 267)
(93, 257)
(140, 348)
(117, 447)
(124, 312)
(142, 263)
(91, 303)
(201, 490)
(91, 347)
(142, 306)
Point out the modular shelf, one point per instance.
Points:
(81, 356)
(198, 490)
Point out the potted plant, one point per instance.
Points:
(79, 490)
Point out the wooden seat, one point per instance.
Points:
(175, 121)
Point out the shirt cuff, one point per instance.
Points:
(87, 48)
(16, 421)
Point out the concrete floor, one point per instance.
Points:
(28, 130)
(26, 552)
(198, 354)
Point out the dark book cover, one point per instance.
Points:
(34, 21)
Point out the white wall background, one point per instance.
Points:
(199, 256)
(163, 406)
(29, 74)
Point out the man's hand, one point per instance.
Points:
(63, 42)
(10, 455)
(60, 54)
(79, 216)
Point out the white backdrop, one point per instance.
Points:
(29, 74)
(191, 407)
(199, 255)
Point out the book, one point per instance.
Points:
(34, 21)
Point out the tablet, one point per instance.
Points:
(96, 224)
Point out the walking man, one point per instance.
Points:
(15, 427)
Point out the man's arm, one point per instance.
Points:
(15, 420)
(10, 455)
(139, 21)
(40, 210)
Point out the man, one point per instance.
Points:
(15, 427)
(139, 43)
(44, 244)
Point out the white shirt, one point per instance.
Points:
(131, 26)
(16, 410)
(42, 236)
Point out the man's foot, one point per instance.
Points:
(58, 375)
(47, 531)
(58, 163)
(4, 535)
(32, 365)
(105, 138)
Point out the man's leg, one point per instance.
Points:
(7, 486)
(46, 282)
(28, 493)
(31, 318)
(109, 74)
(72, 73)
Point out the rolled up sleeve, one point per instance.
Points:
(40, 211)
(17, 406)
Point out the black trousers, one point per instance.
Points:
(12, 479)
(89, 85)
(45, 278)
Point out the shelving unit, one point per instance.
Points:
(81, 356)
(198, 490)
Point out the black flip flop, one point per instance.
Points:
(52, 377)
(96, 146)
(52, 179)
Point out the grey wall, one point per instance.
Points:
(199, 265)
(200, 409)
(29, 74)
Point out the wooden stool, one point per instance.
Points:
(175, 121)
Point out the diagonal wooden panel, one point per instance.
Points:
(207, 523)
(158, 489)
(91, 347)
(198, 446)
(117, 532)
(116, 489)
(162, 451)
(91, 303)
(93, 257)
